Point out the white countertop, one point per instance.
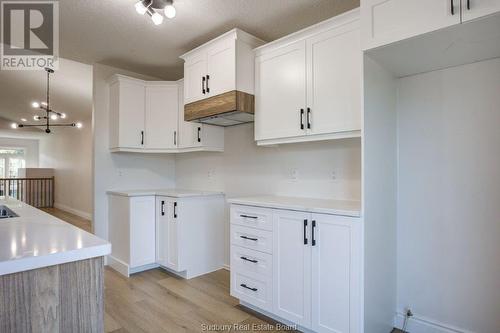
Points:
(36, 239)
(312, 205)
(174, 193)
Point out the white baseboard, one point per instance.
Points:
(226, 267)
(76, 212)
(118, 265)
(419, 324)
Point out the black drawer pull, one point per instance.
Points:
(251, 260)
(249, 238)
(313, 242)
(305, 232)
(248, 216)
(247, 287)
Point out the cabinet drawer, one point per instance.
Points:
(259, 240)
(250, 261)
(256, 291)
(255, 217)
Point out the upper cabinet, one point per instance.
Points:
(388, 21)
(219, 80)
(308, 84)
(148, 116)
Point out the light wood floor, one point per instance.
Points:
(70, 218)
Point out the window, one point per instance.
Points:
(11, 159)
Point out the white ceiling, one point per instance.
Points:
(112, 33)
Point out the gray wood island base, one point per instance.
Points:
(60, 298)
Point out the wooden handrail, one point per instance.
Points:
(38, 192)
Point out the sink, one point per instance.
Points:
(6, 212)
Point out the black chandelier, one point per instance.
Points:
(49, 113)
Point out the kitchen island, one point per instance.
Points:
(51, 273)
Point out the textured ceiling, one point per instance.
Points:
(112, 33)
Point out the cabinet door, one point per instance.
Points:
(280, 92)
(388, 21)
(131, 109)
(473, 9)
(142, 231)
(168, 233)
(336, 274)
(221, 73)
(334, 80)
(161, 116)
(195, 70)
(292, 266)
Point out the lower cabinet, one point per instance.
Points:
(312, 275)
(189, 234)
(182, 234)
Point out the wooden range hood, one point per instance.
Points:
(227, 109)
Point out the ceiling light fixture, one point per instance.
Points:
(152, 8)
(49, 113)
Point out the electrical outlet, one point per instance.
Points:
(333, 175)
(294, 175)
(120, 173)
(211, 174)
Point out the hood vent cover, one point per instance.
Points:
(228, 109)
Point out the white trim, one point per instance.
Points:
(226, 267)
(310, 137)
(118, 265)
(419, 324)
(73, 211)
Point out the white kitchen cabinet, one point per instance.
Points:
(335, 274)
(189, 238)
(314, 265)
(387, 21)
(308, 84)
(161, 115)
(181, 231)
(281, 92)
(292, 267)
(169, 235)
(126, 109)
(473, 9)
(148, 117)
(334, 81)
(194, 75)
(219, 66)
(132, 233)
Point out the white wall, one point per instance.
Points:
(120, 170)
(449, 191)
(379, 198)
(245, 169)
(69, 152)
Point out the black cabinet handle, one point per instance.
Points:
(199, 134)
(175, 210)
(248, 216)
(301, 119)
(203, 85)
(308, 118)
(305, 232)
(175, 138)
(208, 88)
(142, 138)
(468, 4)
(247, 287)
(162, 208)
(249, 238)
(452, 7)
(251, 260)
(313, 239)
